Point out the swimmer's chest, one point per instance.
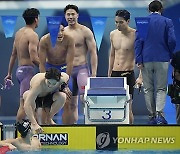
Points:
(79, 37)
(123, 42)
(59, 50)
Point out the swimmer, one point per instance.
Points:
(84, 44)
(61, 57)
(25, 142)
(121, 59)
(25, 51)
(47, 90)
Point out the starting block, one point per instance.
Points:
(106, 100)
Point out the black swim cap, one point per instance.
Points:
(23, 127)
(53, 73)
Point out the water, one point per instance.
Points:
(47, 151)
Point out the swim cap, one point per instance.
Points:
(23, 127)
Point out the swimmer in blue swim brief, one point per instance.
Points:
(60, 57)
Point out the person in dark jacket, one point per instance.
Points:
(153, 55)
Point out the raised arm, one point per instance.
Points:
(42, 54)
(70, 55)
(91, 44)
(11, 62)
(33, 48)
(111, 56)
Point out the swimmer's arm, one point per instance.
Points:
(38, 143)
(9, 143)
(42, 55)
(111, 56)
(139, 80)
(29, 102)
(70, 55)
(11, 62)
(64, 78)
(6, 142)
(33, 48)
(140, 74)
(91, 44)
(64, 81)
(64, 85)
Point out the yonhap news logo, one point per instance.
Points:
(53, 139)
(104, 137)
(103, 140)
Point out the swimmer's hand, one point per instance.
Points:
(140, 66)
(68, 93)
(8, 77)
(37, 129)
(10, 146)
(139, 82)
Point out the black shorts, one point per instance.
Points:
(130, 78)
(44, 102)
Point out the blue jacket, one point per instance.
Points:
(160, 42)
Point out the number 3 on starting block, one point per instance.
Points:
(106, 114)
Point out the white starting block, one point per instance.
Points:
(107, 100)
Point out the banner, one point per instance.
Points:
(110, 137)
(68, 137)
(53, 24)
(148, 137)
(98, 24)
(8, 23)
(142, 25)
